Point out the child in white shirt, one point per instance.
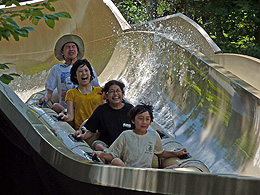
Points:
(135, 148)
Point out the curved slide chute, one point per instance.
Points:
(171, 63)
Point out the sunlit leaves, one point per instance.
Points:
(63, 15)
(51, 1)
(9, 27)
(233, 25)
(50, 22)
(34, 13)
(133, 11)
(5, 66)
(7, 78)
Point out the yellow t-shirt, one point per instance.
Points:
(84, 104)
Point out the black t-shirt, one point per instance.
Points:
(109, 122)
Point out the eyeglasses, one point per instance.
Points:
(112, 91)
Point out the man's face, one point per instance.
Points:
(114, 95)
(70, 51)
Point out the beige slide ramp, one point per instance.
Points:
(93, 20)
(209, 109)
(245, 67)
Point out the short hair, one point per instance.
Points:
(75, 67)
(113, 82)
(139, 109)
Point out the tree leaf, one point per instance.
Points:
(8, 3)
(16, 3)
(16, 36)
(50, 8)
(51, 1)
(6, 78)
(3, 66)
(15, 74)
(36, 12)
(8, 26)
(34, 5)
(8, 63)
(63, 14)
(35, 21)
(22, 32)
(52, 17)
(28, 28)
(15, 15)
(10, 12)
(50, 22)
(6, 34)
(13, 23)
(22, 18)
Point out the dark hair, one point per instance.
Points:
(75, 67)
(139, 109)
(113, 82)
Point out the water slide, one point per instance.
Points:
(208, 99)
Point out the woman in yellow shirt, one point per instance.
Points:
(84, 99)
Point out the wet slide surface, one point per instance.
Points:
(211, 113)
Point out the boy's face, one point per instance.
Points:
(83, 75)
(142, 121)
(70, 51)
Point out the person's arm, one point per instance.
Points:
(85, 136)
(94, 82)
(70, 112)
(168, 154)
(83, 124)
(50, 85)
(91, 123)
(47, 96)
(106, 156)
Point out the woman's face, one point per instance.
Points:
(114, 95)
(142, 121)
(83, 75)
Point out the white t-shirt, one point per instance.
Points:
(59, 76)
(136, 150)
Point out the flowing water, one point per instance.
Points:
(211, 115)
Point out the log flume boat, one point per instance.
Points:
(207, 99)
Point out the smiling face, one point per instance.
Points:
(70, 51)
(142, 122)
(114, 95)
(83, 75)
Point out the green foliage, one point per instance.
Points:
(133, 11)
(233, 25)
(7, 78)
(34, 13)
